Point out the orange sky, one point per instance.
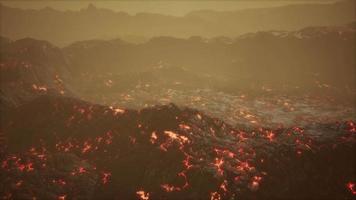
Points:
(170, 7)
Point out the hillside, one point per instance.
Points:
(166, 152)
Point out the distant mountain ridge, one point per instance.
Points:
(307, 59)
(92, 22)
(312, 50)
(30, 67)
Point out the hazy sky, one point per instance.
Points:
(169, 7)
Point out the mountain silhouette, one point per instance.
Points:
(38, 67)
(304, 56)
(94, 23)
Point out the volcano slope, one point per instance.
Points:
(63, 148)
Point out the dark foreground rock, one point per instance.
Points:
(63, 148)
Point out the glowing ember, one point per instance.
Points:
(29, 167)
(199, 116)
(106, 177)
(255, 183)
(163, 147)
(244, 166)
(182, 174)
(39, 88)
(351, 187)
(169, 188)
(174, 136)
(21, 167)
(215, 196)
(117, 111)
(86, 147)
(223, 186)
(82, 170)
(143, 195)
(186, 162)
(59, 182)
(218, 164)
(184, 126)
(351, 126)
(153, 137)
(270, 135)
(62, 197)
(132, 140)
(19, 183)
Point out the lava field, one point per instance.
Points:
(100, 103)
(62, 148)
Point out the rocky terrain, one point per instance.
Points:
(92, 121)
(62, 148)
(30, 68)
